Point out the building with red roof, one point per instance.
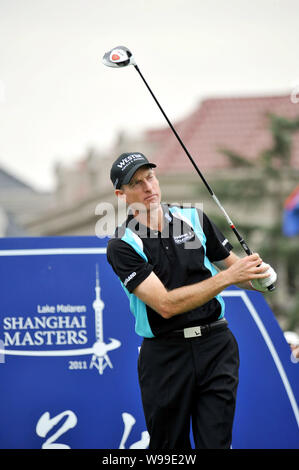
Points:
(239, 124)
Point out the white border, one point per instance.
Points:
(54, 251)
(54, 352)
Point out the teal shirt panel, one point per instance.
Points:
(137, 307)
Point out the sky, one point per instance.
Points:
(57, 99)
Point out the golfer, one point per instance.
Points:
(173, 264)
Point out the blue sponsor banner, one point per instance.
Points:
(68, 360)
(267, 414)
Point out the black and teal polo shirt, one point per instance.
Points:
(180, 255)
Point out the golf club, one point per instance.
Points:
(121, 56)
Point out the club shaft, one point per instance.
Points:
(176, 134)
(230, 222)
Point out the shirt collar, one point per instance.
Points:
(168, 219)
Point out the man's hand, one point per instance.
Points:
(248, 268)
(255, 274)
(262, 284)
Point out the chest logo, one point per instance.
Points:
(185, 237)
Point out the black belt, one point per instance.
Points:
(197, 331)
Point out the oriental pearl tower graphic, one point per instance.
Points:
(100, 358)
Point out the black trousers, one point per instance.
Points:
(189, 380)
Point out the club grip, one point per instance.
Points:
(248, 251)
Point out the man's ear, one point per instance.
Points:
(121, 194)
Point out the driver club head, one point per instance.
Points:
(119, 56)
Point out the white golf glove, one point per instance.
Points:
(262, 284)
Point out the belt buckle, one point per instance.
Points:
(192, 332)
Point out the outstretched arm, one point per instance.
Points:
(169, 303)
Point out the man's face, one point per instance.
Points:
(143, 190)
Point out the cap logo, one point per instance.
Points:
(115, 57)
(130, 159)
(124, 167)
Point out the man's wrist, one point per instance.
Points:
(224, 278)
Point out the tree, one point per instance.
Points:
(268, 180)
